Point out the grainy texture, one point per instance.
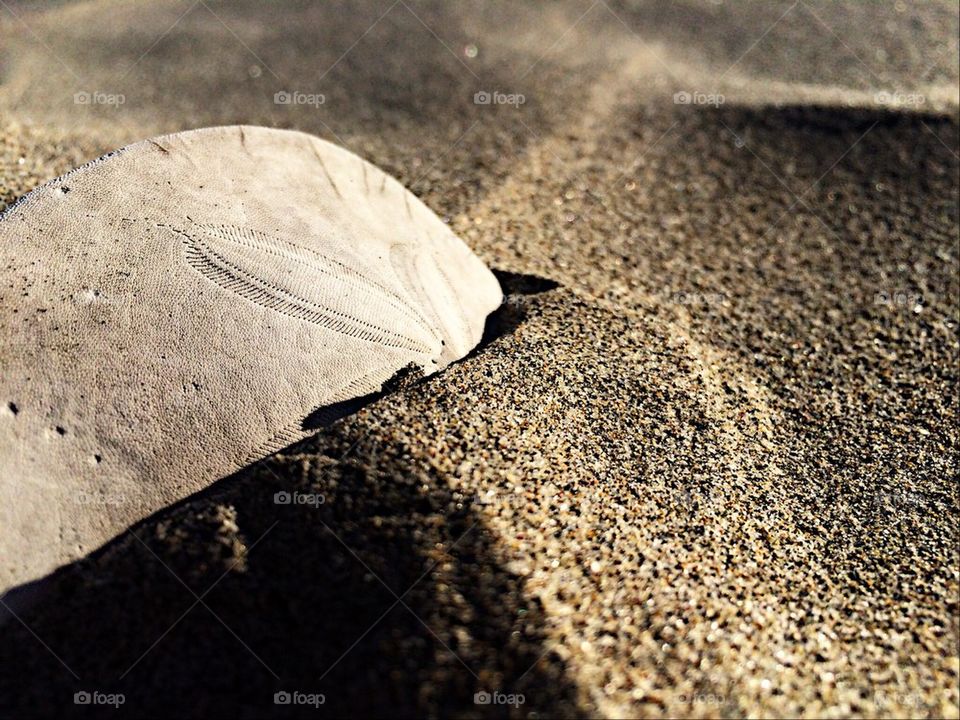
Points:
(714, 472)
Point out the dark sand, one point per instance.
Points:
(706, 463)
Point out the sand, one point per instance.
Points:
(705, 463)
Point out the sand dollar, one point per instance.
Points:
(175, 309)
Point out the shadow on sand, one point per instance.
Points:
(373, 584)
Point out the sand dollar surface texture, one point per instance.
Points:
(175, 310)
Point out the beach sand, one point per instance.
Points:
(705, 462)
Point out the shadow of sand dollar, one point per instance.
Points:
(529, 482)
(180, 306)
(298, 596)
(410, 556)
(346, 566)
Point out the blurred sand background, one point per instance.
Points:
(706, 464)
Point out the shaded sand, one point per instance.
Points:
(709, 468)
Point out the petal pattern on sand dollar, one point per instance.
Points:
(298, 281)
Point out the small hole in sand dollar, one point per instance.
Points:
(13, 407)
(64, 189)
(97, 459)
(61, 430)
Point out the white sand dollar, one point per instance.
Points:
(173, 311)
